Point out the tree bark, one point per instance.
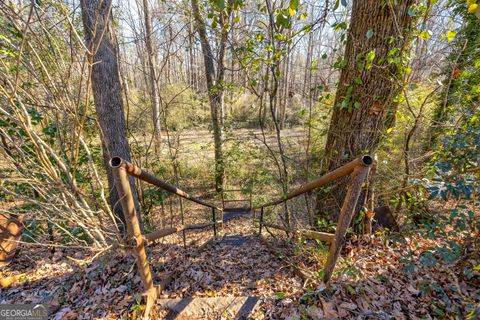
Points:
(215, 89)
(286, 88)
(191, 58)
(107, 94)
(364, 104)
(308, 60)
(154, 93)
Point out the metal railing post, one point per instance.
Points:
(346, 213)
(370, 212)
(214, 223)
(251, 198)
(134, 233)
(223, 219)
(261, 221)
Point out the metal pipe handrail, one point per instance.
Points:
(242, 190)
(133, 170)
(323, 180)
(121, 169)
(236, 190)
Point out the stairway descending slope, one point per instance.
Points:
(232, 278)
(229, 214)
(244, 276)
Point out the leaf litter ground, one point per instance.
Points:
(372, 280)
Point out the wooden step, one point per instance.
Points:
(209, 308)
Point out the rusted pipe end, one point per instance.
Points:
(367, 160)
(116, 162)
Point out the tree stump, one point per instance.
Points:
(385, 219)
(11, 229)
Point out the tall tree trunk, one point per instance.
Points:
(191, 59)
(364, 102)
(154, 94)
(286, 88)
(107, 94)
(215, 90)
(169, 50)
(308, 60)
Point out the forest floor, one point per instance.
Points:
(196, 146)
(372, 279)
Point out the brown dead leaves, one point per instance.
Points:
(370, 280)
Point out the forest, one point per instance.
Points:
(240, 159)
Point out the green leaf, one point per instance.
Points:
(370, 56)
(7, 52)
(340, 64)
(349, 91)
(344, 3)
(340, 26)
(283, 20)
(369, 34)
(425, 35)
(337, 4)
(294, 4)
(280, 295)
(307, 28)
(392, 52)
(451, 35)
(220, 4)
(215, 22)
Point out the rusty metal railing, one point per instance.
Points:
(137, 241)
(358, 170)
(247, 200)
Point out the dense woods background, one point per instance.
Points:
(263, 95)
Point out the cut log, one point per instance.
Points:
(155, 235)
(11, 229)
(316, 235)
